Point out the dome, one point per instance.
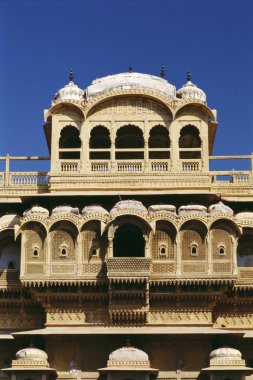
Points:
(162, 208)
(71, 92)
(227, 353)
(65, 209)
(36, 210)
(31, 353)
(128, 356)
(94, 209)
(129, 80)
(220, 208)
(192, 209)
(9, 220)
(190, 91)
(129, 205)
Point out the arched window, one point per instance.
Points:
(11, 265)
(63, 251)
(190, 139)
(162, 243)
(221, 239)
(193, 242)
(100, 139)
(9, 251)
(163, 250)
(194, 249)
(35, 252)
(222, 250)
(69, 143)
(129, 143)
(159, 143)
(128, 241)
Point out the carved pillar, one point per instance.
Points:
(113, 160)
(178, 255)
(22, 255)
(47, 255)
(111, 233)
(209, 252)
(79, 254)
(147, 245)
(146, 157)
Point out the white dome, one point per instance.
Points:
(31, 353)
(94, 209)
(220, 208)
(191, 91)
(36, 210)
(227, 353)
(192, 209)
(128, 354)
(71, 92)
(129, 205)
(162, 208)
(65, 209)
(128, 80)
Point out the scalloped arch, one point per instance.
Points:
(132, 214)
(202, 106)
(58, 106)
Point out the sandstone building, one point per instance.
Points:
(131, 258)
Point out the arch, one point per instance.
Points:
(189, 137)
(159, 137)
(128, 241)
(66, 224)
(131, 217)
(100, 139)
(207, 111)
(9, 251)
(227, 224)
(34, 240)
(163, 241)
(128, 137)
(57, 107)
(94, 245)
(63, 236)
(70, 137)
(245, 251)
(193, 240)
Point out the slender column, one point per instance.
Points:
(48, 255)
(234, 254)
(79, 254)
(178, 255)
(111, 232)
(147, 245)
(113, 161)
(146, 158)
(209, 253)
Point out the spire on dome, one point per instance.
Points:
(162, 74)
(189, 77)
(71, 75)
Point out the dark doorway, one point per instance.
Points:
(128, 242)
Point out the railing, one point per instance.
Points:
(160, 166)
(28, 179)
(231, 176)
(190, 165)
(245, 275)
(70, 166)
(129, 166)
(100, 166)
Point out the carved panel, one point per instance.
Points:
(35, 268)
(238, 320)
(180, 316)
(62, 239)
(163, 268)
(220, 238)
(222, 267)
(34, 241)
(162, 241)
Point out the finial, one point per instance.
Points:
(130, 69)
(188, 77)
(162, 74)
(128, 343)
(71, 75)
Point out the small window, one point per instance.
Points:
(194, 249)
(93, 252)
(163, 250)
(35, 252)
(63, 251)
(222, 250)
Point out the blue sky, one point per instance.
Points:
(41, 40)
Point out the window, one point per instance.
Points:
(35, 252)
(221, 250)
(194, 249)
(11, 265)
(63, 251)
(163, 250)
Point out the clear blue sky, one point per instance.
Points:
(41, 40)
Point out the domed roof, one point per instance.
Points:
(65, 209)
(220, 208)
(70, 92)
(192, 209)
(129, 205)
(162, 208)
(36, 210)
(226, 352)
(94, 209)
(31, 353)
(191, 91)
(129, 80)
(128, 356)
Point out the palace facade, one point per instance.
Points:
(131, 258)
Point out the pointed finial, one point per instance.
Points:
(128, 343)
(71, 75)
(188, 77)
(162, 74)
(130, 69)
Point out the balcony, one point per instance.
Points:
(126, 267)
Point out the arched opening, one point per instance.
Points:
(159, 143)
(34, 235)
(163, 241)
(100, 139)
(189, 143)
(94, 246)
(128, 241)
(193, 235)
(63, 236)
(221, 239)
(69, 143)
(245, 251)
(129, 143)
(9, 251)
